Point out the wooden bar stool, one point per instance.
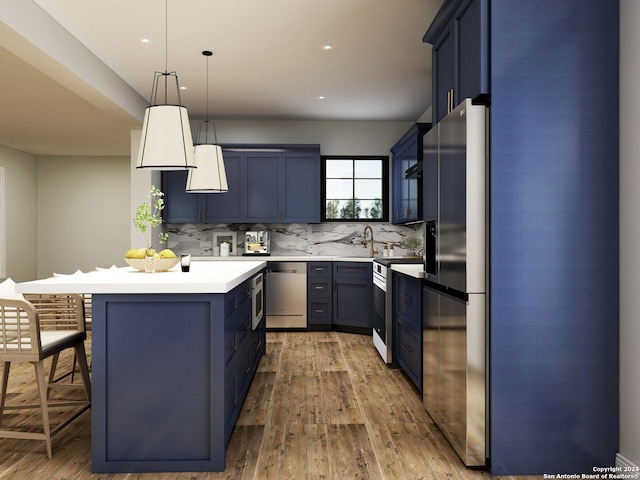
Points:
(32, 330)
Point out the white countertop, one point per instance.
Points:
(283, 258)
(203, 277)
(415, 270)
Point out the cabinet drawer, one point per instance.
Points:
(352, 269)
(319, 312)
(319, 270)
(243, 293)
(320, 288)
(409, 350)
(408, 297)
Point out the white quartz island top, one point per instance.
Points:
(413, 270)
(203, 277)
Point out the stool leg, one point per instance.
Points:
(81, 355)
(42, 391)
(5, 380)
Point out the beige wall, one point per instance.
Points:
(83, 213)
(629, 231)
(20, 213)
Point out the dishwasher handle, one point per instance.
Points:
(271, 271)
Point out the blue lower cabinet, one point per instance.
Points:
(170, 373)
(319, 295)
(407, 320)
(353, 294)
(409, 349)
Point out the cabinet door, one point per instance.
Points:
(353, 294)
(228, 206)
(263, 187)
(443, 65)
(301, 193)
(471, 33)
(414, 207)
(408, 291)
(400, 184)
(180, 206)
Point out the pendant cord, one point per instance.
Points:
(207, 88)
(208, 53)
(166, 36)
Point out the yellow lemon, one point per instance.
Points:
(166, 253)
(135, 253)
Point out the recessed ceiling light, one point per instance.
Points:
(145, 40)
(321, 97)
(183, 88)
(327, 47)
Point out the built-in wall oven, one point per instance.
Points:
(383, 304)
(257, 300)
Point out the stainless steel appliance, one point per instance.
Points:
(383, 304)
(257, 300)
(455, 375)
(257, 243)
(286, 295)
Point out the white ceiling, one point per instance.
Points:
(77, 77)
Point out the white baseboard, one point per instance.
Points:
(622, 461)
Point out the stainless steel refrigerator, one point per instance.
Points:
(455, 316)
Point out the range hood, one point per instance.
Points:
(414, 171)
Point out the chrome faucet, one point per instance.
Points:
(372, 252)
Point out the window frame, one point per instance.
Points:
(385, 188)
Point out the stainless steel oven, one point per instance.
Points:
(380, 328)
(257, 300)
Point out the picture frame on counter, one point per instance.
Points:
(230, 237)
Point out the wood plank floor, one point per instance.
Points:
(322, 406)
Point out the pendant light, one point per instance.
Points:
(210, 176)
(166, 142)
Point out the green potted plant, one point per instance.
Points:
(412, 245)
(149, 215)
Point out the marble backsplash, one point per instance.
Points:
(335, 239)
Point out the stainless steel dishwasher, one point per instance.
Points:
(286, 295)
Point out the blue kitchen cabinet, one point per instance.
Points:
(407, 320)
(284, 186)
(228, 206)
(319, 295)
(353, 295)
(407, 192)
(301, 186)
(554, 171)
(267, 184)
(184, 207)
(180, 206)
(263, 187)
(460, 38)
(170, 374)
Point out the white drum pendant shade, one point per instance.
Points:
(166, 142)
(210, 176)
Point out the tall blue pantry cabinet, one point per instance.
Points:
(552, 80)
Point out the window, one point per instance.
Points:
(355, 189)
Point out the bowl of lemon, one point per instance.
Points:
(163, 260)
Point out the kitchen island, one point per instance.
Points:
(173, 355)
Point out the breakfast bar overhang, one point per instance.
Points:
(173, 355)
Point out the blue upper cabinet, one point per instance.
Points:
(180, 206)
(229, 206)
(407, 192)
(300, 197)
(263, 187)
(460, 38)
(267, 184)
